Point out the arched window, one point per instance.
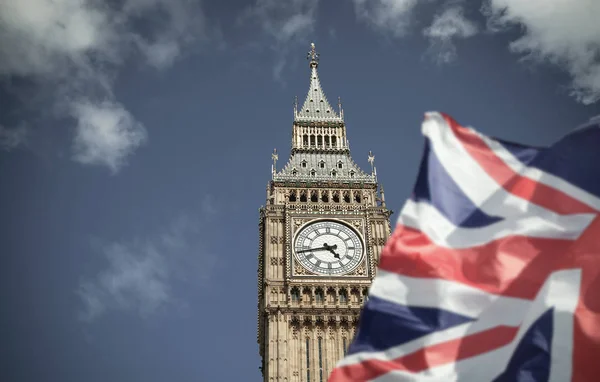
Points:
(312, 141)
(319, 296)
(322, 164)
(292, 196)
(331, 296)
(314, 197)
(340, 164)
(313, 172)
(306, 295)
(357, 197)
(336, 196)
(325, 196)
(346, 197)
(295, 294)
(305, 140)
(319, 141)
(303, 196)
(303, 164)
(343, 296)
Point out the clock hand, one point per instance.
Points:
(331, 248)
(313, 249)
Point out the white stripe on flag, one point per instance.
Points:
(427, 219)
(488, 195)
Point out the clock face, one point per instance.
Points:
(328, 248)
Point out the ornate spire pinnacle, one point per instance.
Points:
(371, 160)
(274, 156)
(316, 107)
(382, 194)
(295, 105)
(313, 56)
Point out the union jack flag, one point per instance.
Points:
(493, 270)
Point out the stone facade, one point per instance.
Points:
(306, 320)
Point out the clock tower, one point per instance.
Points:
(320, 236)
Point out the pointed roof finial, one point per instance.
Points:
(313, 56)
(295, 106)
(274, 156)
(382, 193)
(316, 107)
(372, 162)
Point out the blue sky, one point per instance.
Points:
(135, 143)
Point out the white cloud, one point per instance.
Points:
(392, 16)
(286, 23)
(143, 276)
(448, 25)
(106, 133)
(12, 137)
(563, 32)
(283, 20)
(72, 50)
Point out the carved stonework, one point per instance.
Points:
(277, 240)
(380, 241)
(273, 261)
(359, 271)
(301, 271)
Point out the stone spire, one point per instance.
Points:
(320, 150)
(316, 107)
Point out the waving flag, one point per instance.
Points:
(493, 270)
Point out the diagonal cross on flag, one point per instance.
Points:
(493, 270)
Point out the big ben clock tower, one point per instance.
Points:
(321, 233)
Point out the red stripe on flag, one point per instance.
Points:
(432, 356)
(585, 255)
(537, 193)
(514, 266)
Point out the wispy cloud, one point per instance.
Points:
(144, 276)
(283, 20)
(448, 25)
(11, 138)
(564, 33)
(393, 16)
(285, 24)
(106, 133)
(72, 51)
